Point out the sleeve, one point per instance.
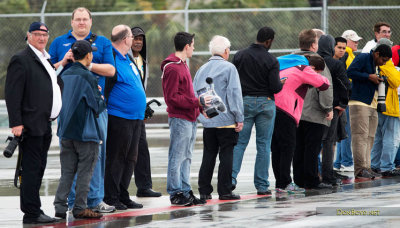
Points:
(275, 84)
(108, 55)
(172, 95)
(355, 71)
(325, 98)
(14, 90)
(234, 95)
(393, 75)
(314, 79)
(53, 52)
(344, 85)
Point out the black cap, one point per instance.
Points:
(136, 31)
(80, 49)
(35, 26)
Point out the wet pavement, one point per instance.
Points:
(277, 210)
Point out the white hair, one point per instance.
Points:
(219, 44)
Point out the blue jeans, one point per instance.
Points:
(258, 111)
(344, 155)
(386, 143)
(96, 192)
(182, 139)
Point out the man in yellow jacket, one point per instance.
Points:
(387, 136)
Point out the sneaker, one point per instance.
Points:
(322, 185)
(364, 174)
(347, 168)
(375, 174)
(195, 200)
(230, 196)
(266, 192)
(340, 176)
(205, 196)
(180, 200)
(375, 170)
(292, 188)
(338, 169)
(103, 208)
(88, 214)
(391, 173)
(280, 190)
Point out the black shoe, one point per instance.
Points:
(180, 200)
(375, 174)
(147, 193)
(267, 192)
(41, 219)
(364, 174)
(230, 196)
(205, 196)
(340, 176)
(195, 200)
(61, 215)
(118, 205)
(233, 187)
(132, 205)
(376, 170)
(391, 173)
(322, 185)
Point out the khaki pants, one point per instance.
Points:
(363, 123)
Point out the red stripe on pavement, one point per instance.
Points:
(140, 212)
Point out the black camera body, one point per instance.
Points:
(10, 149)
(148, 113)
(216, 104)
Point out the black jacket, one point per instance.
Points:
(258, 71)
(29, 93)
(143, 53)
(341, 84)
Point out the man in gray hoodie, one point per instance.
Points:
(220, 132)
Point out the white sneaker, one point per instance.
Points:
(103, 208)
(338, 169)
(347, 168)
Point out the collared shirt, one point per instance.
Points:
(61, 45)
(139, 63)
(45, 58)
(127, 98)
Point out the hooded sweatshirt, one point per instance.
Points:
(341, 84)
(142, 53)
(178, 89)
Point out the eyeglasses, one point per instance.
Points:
(44, 35)
(386, 32)
(81, 20)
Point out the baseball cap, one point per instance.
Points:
(351, 35)
(383, 41)
(35, 26)
(81, 47)
(136, 31)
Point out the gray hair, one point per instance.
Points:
(219, 44)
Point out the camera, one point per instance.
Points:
(148, 113)
(9, 150)
(216, 104)
(381, 107)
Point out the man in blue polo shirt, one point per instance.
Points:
(102, 65)
(126, 104)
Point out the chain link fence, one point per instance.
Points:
(239, 25)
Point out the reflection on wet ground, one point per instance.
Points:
(278, 210)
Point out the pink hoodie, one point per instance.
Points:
(299, 78)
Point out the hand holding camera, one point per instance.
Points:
(210, 100)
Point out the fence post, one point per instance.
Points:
(42, 19)
(324, 16)
(187, 24)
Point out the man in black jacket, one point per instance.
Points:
(259, 78)
(142, 169)
(341, 88)
(33, 99)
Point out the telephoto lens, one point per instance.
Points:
(9, 150)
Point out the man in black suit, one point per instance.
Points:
(33, 99)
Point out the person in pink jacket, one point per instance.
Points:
(299, 73)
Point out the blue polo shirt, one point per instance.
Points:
(62, 44)
(127, 98)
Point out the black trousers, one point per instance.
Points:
(34, 159)
(329, 139)
(142, 169)
(305, 159)
(217, 141)
(121, 156)
(282, 148)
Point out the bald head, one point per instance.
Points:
(119, 33)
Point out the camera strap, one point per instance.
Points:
(18, 170)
